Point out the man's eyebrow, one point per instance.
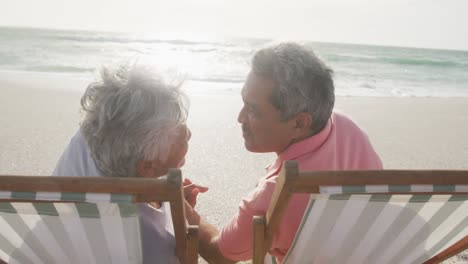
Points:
(247, 102)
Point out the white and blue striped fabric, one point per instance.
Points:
(375, 226)
(94, 228)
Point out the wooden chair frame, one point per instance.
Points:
(168, 189)
(292, 181)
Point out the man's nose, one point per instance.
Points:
(241, 116)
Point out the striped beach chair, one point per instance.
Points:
(386, 216)
(86, 219)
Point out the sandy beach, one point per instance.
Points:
(40, 113)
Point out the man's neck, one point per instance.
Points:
(296, 140)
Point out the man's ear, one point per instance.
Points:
(302, 123)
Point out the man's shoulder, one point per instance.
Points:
(342, 119)
(346, 124)
(353, 145)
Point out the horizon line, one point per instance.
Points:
(184, 36)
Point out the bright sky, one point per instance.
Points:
(418, 23)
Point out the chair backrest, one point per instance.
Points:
(50, 219)
(387, 216)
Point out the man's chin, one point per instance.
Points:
(252, 148)
(249, 146)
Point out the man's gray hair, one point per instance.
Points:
(303, 82)
(130, 115)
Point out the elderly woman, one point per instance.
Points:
(133, 126)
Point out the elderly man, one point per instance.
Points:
(133, 126)
(288, 109)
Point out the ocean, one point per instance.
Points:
(220, 64)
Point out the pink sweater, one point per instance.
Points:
(341, 145)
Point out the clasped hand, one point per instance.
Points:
(191, 191)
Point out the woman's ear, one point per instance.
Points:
(145, 168)
(151, 169)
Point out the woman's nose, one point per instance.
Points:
(189, 134)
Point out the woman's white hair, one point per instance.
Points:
(303, 82)
(131, 114)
